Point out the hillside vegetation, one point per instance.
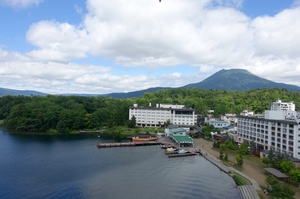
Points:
(67, 113)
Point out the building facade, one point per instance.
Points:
(230, 118)
(162, 113)
(278, 130)
(218, 124)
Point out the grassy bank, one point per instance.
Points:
(240, 180)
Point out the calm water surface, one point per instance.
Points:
(43, 166)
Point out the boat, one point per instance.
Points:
(143, 137)
(170, 149)
(181, 151)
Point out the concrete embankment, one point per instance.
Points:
(215, 161)
(247, 191)
(227, 169)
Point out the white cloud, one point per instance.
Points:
(144, 33)
(54, 77)
(21, 3)
(278, 36)
(57, 41)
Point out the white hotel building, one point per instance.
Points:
(279, 129)
(153, 116)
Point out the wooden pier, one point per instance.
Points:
(181, 154)
(126, 144)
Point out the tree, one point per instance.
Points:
(62, 127)
(287, 166)
(132, 122)
(214, 144)
(244, 148)
(230, 145)
(252, 147)
(271, 180)
(167, 123)
(239, 160)
(283, 191)
(226, 157)
(279, 190)
(295, 175)
(266, 161)
(221, 154)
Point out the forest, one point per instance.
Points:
(64, 114)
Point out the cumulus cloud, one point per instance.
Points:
(278, 36)
(143, 33)
(208, 34)
(20, 3)
(57, 41)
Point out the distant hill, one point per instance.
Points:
(238, 80)
(233, 79)
(5, 91)
(136, 93)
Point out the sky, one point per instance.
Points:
(101, 46)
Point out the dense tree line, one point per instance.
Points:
(66, 113)
(62, 114)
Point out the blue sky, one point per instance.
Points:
(100, 46)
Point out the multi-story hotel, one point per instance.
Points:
(279, 129)
(154, 116)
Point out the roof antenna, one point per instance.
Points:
(159, 0)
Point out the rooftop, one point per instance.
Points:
(183, 139)
(276, 173)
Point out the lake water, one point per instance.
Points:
(43, 166)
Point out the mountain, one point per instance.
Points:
(5, 91)
(238, 80)
(233, 79)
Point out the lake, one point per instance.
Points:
(71, 166)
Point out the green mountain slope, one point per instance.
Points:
(238, 80)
